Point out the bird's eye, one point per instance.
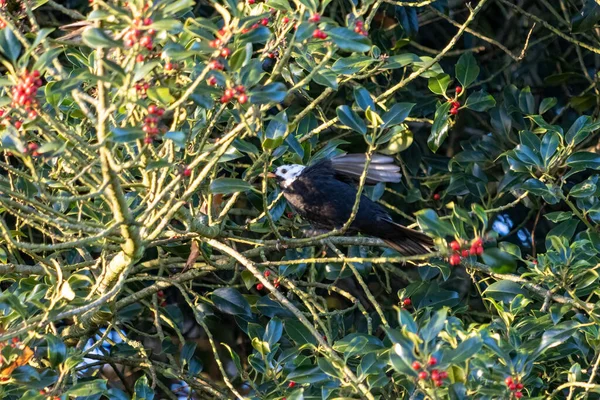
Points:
(284, 171)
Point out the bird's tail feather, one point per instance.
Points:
(407, 241)
(381, 168)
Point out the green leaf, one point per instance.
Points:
(307, 374)
(401, 359)
(351, 65)
(439, 83)
(559, 216)
(9, 44)
(554, 337)
(299, 333)
(363, 98)
(584, 159)
(178, 137)
(440, 127)
(273, 92)
(526, 101)
(396, 114)
(351, 119)
(229, 185)
(564, 230)
(579, 130)
(142, 389)
(173, 26)
(547, 104)
(467, 69)
(504, 291)
(349, 40)
(240, 56)
(125, 135)
(465, 350)
(187, 351)
(584, 189)
(586, 19)
(480, 101)
(500, 261)
(161, 95)
(97, 39)
(57, 350)
(230, 301)
(549, 146)
(401, 138)
(273, 332)
(429, 221)
(88, 388)
(434, 326)
(327, 78)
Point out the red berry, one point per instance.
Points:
(160, 293)
(226, 52)
(455, 104)
(169, 66)
(267, 273)
(443, 375)
(240, 89)
(454, 245)
(214, 43)
(454, 259)
(512, 387)
(357, 29)
(148, 140)
(479, 250)
(519, 386)
(432, 361)
(458, 89)
(251, 1)
(534, 262)
(473, 251)
(18, 124)
(264, 21)
(187, 172)
(242, 98)
(406, 302)
(32, 114)
(152, 109)
(416, 365)
(15, 340)
(230, 92)
(314, 18)
(438, 382)
(214, 64)
(148, 21)
(160, 112)
(285, 20)
(224, 99)
(212, 81)
(436, 196)
(291, 384)
(140, 58)
(276, 283)
(423, 375)
(477, 242)
(260, 286)
(435, 375)
(454, 111)
(35, 73)
(146, 41)
(508, 380)
(518, 395)
(465, 253)
(359, 23)
(319, 34)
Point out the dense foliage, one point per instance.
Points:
(144, 256)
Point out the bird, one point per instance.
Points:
(324, 194)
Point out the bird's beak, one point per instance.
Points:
(268, 175)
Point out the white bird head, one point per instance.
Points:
(287, 174)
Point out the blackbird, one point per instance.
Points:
(324, 195)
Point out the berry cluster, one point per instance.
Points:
(142, 88)
(239, 92)
(267, 274)
(32, 148)
(514, 386)
(459, 253)
(319, 34)
(151, 122)
(455, 103)
(436, 375)
(23, 94)
(136, 35)
(359, 27)
(219, 43)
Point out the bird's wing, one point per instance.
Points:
(381, 168)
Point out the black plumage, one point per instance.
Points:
(324, 195)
